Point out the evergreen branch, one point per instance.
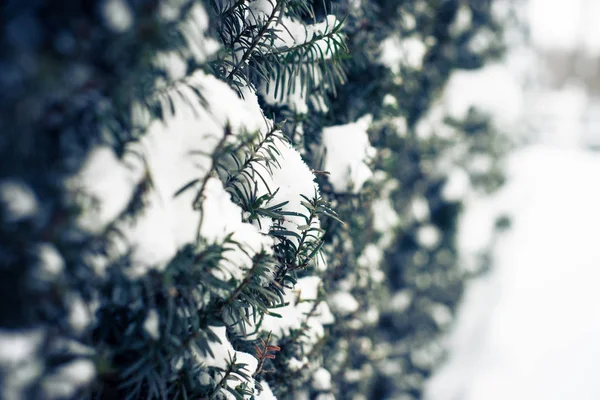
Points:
(231, 367)
(317, 37)
(261, 33)
(306, 234)
(231, 9)
(304, 326)
(256, 262)
(199, 199)
(253, 158)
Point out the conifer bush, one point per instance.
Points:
(234, 199)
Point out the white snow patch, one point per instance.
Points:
(222, 353)
(399, 52)
(295, 365)
(266, 393)
(441, 314)
(371, 257)
(51, 262)
(68, 378)
(480, 163)
(427, 356)
(457, 185)
(401, 301)
(321, 379)
(420, 209)
(492, 89)
(301, 302)
(79, 315)
(193, 28)
(151, 324)
(352, 375)
(385, 217)
(222, 218)
(370, 263)
(293, 179)
(428, 236)
(18, 346)
(390, 101)
(343, 303)
(371, 316)
(17, 200)
(103, 188)
(169, 222)
(432, 123)
(482, 40)
(347, 149)
(118, 15)
(463, 20)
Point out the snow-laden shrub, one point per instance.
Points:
(164, 259)
(212, 199)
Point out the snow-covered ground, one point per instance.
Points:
(529, 329)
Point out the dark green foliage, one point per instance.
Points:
(70, 80)
(264, 59)
(431, 276)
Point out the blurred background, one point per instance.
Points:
(528, 328)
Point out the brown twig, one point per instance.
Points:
(263, 354)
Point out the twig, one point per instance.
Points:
(263, 354)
